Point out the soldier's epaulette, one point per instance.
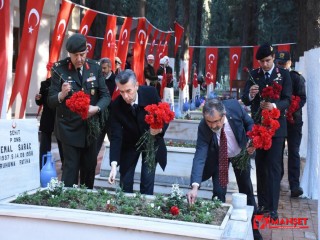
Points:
(299, 73)
(92, 61)
(62, 62)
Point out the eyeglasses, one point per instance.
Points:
(117, 62)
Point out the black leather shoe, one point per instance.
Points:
(257, 235)
(296, 192)
(274, 215)
(261, 210)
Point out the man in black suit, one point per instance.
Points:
(46, 121)
(73, 74)
(219, 118)
(283, 59)
(268, 162)
(127, 126)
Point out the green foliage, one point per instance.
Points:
(135, 204)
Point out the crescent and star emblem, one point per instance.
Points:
(211, 56)
(235, 58)
(208, 75)
(144, 34)
(124, 36)
(107, 37)
(33, 11)
(89, 46)
(63, 23)
(2, 4)
(84, 30)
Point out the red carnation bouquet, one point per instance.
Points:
(294, 106)
(79, 103)
(157, 116)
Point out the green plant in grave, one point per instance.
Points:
(173, 206)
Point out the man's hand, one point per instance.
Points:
(92, 110)
(113, 174)
(192, 195)
(266, 105)
(254, 90)
(155, 131)
(38, 96)
(65, 89)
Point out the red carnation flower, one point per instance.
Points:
(174, 210)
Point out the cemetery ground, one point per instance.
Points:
(288, 207)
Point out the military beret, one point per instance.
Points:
(264, 50)
(283, 56)
(76, 43)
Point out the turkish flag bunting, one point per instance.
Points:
(284, 47)
(139, 50)
(4, 45)
(87, 21)
(123, 42)
(191, 49)
(26, 55)
(154, 39)
(182, 82)
(235, 55)
(159, 53)
(211, 65)
(91, 44)
(109, 41)
(255, 63)
(165, 45)
(59, 33)
(178, 32)
(195, 79)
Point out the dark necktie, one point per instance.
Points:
(134, 109)
(223, 159)
(267, 76)
(79, 74)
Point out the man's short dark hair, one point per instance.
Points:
(124, 76)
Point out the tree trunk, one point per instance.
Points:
(197, 40)
(186, 25)
(171, 19)
(22, 12)
(309, 25)
(142, 8)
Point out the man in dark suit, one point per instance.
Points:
(222, 118)
(46, 121)
(283, 59)
(73, 74)
(150, 74)
(268, 162)
(127, 126)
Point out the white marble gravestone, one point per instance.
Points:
(19, 156)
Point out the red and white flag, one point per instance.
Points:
(182, 81)
(165, 45)
(235, 56)
(109, 41)
(195, 79)
(59, 33)
(211, 65)
(87, 21)
(139, 50)
(26, 55)
(255, 63)
(91, 44)
(123, 42)
(153, 42)
(178, 32)
(4, 45)
(159, 53)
